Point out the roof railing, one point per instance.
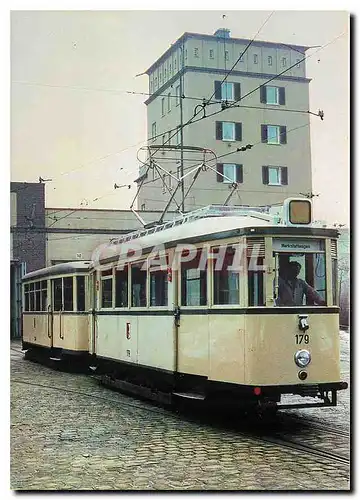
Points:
(200, 213)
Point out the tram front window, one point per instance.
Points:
(300, 280)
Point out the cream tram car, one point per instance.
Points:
(222, 304)
(55, 317)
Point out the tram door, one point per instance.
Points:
(50, 319)
(57, 309)
(92, 312)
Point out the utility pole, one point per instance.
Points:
(181, 130)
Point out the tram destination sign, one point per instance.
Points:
(295, 245)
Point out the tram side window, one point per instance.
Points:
(138, 284)
(194, 281)
(37, 296)
(106, 288)
(121, 288)
(256, 296)
(158, 288)
(80, 293)
(32, 296)
(301, 280)
(43, 295)
(27, 297)
(68, 294)
(226, 281)
(57, 294)
(334, 266)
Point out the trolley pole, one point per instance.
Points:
(181, 131)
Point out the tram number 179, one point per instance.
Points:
(302, 338)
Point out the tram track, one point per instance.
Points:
(221, 422)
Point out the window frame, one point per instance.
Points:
(211, 54)
(270, 60)
(134, 265)
(272, 142)
(279, 170)
(224, 90)
(182, 289)
(118, 271)
(277, 95)
(105, 278)
(213, 270)
(233, 130)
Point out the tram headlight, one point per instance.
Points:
(302, 358)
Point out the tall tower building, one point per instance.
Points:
(267, 115)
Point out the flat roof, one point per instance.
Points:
(200, 36)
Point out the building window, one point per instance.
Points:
(229, 173)
(227, 91)
(121, 285)
(196, 52)
(298, 63)
(283, 62)
(255, 58)
(163, 106)
(174, 64)
(177, 95)
(228, 131)
(169, 102)
(106, 288)
(80, 293)
(185, 54)
(273, 134)
(270, 60)
(156, 83)
(194, 281)
(165, 75)
(226, 55)
(160, 78)
(272, 95)
(170, 70)
(211, 53)
(138, 284)
(143, 205)
(275, 176)
(225, 281)
(153, 131)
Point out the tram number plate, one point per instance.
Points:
(302, 338)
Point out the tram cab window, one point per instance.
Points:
(138, 284)
(300, 280)
(121, 288)
(43, 295)
(225, 280)
(80, 293)
(194, 281)
(37, 296)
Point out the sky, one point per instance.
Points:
(73, 121)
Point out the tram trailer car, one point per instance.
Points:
(176, 315)
(55, 316)
(192, 309)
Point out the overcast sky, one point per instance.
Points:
(72, 120)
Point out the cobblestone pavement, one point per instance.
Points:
(69, 433)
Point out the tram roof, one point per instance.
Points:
(58, 269)
(209, 228)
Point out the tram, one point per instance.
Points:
(221, 305)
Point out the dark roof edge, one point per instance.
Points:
(187, 35)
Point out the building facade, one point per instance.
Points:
(272, 117)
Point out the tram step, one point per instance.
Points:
(189, 395)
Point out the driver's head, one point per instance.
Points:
(293, 270)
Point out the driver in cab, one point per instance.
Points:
(293, 289)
